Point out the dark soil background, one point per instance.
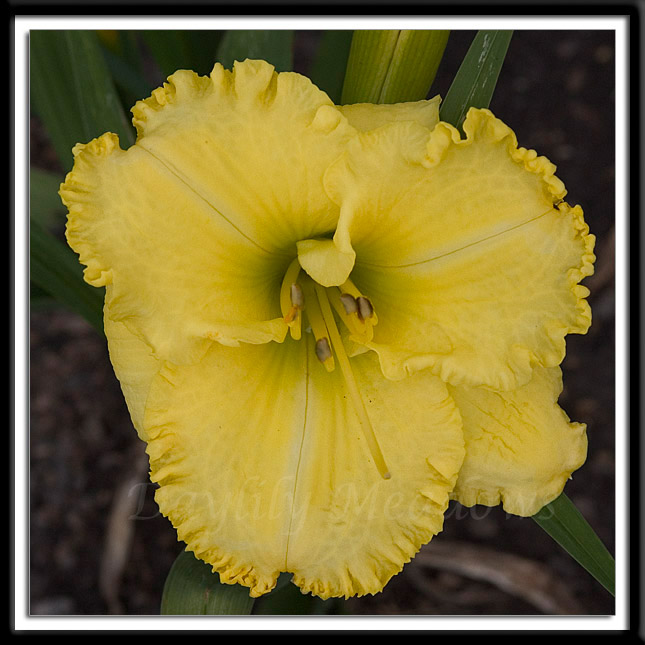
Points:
(98, 544)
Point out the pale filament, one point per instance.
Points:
(350, 383)
(298, 295)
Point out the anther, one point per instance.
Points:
(349, 303)
(353, 393)
(297, 296)
(365, 308)
(323, 350)
(289, 297)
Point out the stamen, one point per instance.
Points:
(289, 307)
(349, 303)
(362, 331)
(350, 288)
(365, 308)
(297, 303)
(318, 326)
(369, 315)
(350, 382)
(297, 297)
(323, 350)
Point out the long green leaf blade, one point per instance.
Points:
(54, 268)
(173, 49)
(169, 48)
(275, 47)
(127, 78)
(328, 69)
(192, 589)
(475, 81)
(566, 525)
(390, 66)
(44, 203)
(72, 90)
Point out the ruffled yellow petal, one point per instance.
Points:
(369, 116)
(253, 144)
(351, 529)
(520, 446)
(181, 274)
(278, 476)
(465, 248)
(134, 366)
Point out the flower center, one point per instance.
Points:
(299, 296)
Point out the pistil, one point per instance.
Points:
(350, 381)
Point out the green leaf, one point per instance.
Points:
(40, 299)
(54, 269)
(285, 599)
(72, 90)
(392, 66)
(129, 49)
(566, 525)
(328, 69)
(275, 47)
(475, 81)
(44, 203)
(126, 77)
(173, 50)
(192, 589)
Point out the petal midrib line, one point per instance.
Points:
(302, 442)
(171, 169)
(457, 250)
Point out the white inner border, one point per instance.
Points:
(22, 621)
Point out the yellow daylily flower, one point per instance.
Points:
(329, 321)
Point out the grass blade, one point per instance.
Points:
(328, 69)
(192, 589)
(566, 525)
(390, 66)
(276, 47)
(475, 81)
(72, 90)
(54, 269)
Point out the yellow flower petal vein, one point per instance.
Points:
(466, 248)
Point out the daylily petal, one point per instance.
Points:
(520, 446)
(353, 530)
(323, 261)
(253, 144)
(369, 116)
(279, 477)
(134, 366)
(181, 274)
(465, 249)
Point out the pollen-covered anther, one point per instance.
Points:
(292, 299)
(297, 296)
(323, 350)
(297, 302)
(349, 303)
(352, 389)
(365, 308)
